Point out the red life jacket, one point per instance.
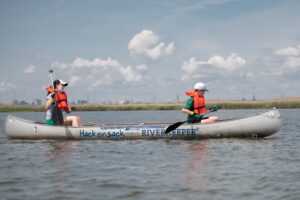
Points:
(199, 102)
(61, 98)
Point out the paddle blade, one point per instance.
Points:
(214, 108)
(173, 127)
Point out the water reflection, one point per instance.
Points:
(61, 157)
(197, 165)
(58, 150)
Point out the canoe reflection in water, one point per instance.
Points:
(198, 164)
(61, 150)
(59, 160)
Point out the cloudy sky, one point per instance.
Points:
(150, 50)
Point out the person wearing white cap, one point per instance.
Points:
(194, 107)
(56, 102)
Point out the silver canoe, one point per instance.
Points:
(260, 125)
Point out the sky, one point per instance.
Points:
(150, 51)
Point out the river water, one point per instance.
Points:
(266, 168)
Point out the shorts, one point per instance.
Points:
(49, 122)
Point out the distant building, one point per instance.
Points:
(22, 102)
(82, 101)
(37, 102)
(122, 102)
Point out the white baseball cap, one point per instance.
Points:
(200, 86)
(56, 82)
(64, 83)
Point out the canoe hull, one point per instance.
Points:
(260, 125)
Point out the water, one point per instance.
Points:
(266, 168)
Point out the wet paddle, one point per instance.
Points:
(51, 77)
(177, 124)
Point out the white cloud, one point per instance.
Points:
(141, 67)
(59, 65)
(106, 80)
(168, 50)
(291, 56)
(74, 79)
(6, 86)
(288, 51)
(130, 75)
(30, 69)
(192, 65)
(292, 62)
(101, 72)
(232, 63)
(146, 44)
(96, 63)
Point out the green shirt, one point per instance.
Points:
(189, 104)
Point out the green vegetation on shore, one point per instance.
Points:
(287, 103)
(224, 104)
(21, 108)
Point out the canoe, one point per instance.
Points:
(260, 125)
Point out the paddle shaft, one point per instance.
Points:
(51, 77)
(177, 124)
(54, 100)
(209, 111)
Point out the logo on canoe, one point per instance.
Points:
(161, 132)
(93, 133)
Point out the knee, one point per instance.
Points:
(77, 118)
(215, 118)
(78, 121)
(73, 118)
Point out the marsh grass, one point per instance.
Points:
(224, 104)
(21, 108)
(263, 104)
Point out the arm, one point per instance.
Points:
(187, 111)
(188, 107)
(69, 109)
(48, 104)
(49, 101)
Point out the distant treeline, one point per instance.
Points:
(224, 104)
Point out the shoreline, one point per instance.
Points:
(287, 103)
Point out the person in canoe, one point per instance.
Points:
(194, 107)
(56, 102)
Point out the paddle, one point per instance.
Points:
(177, 124)
(51, 77)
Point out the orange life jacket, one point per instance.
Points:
(62, 100)
(199, 102)
(60, 97)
